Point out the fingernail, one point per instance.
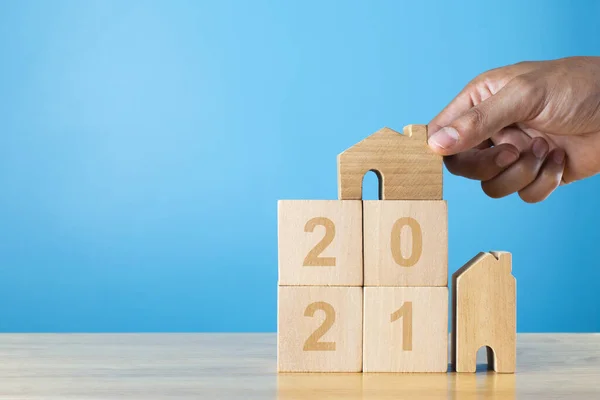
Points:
(505, 158)
(540, 148)
(444, 138)
(558, 156)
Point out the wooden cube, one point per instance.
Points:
(405, 329)
(320, 242)
(405, 243)
(319, 329)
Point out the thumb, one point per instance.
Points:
(515, 102)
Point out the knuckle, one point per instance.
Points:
(523, 82)
(490, 74)
(473, 120)
(475, 82)
(486, 170)
(528, 85)
(527, 172)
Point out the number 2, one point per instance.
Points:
(405, 312)
(312, 258)
(312, 343)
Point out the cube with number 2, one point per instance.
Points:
(319, 329)
(320, 242)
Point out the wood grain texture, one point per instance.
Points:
(415, 342)
(484, 312)
(405, 243)
(406, 167)
(320, 242)
(320, 329)
(243, 366)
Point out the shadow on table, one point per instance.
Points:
(481, 385)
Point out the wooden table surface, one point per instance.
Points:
(243, 366)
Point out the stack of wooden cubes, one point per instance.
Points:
(363, 285)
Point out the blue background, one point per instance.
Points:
(143, 147)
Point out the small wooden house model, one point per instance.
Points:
(405, 165)
(484, 313)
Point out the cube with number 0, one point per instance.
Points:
(406, 243)
(319, 329)
(320, 242)
(405, 329)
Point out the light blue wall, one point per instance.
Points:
(143, 147)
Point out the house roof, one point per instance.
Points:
(391, 138)
(499, 257)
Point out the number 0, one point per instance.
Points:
(417, 242)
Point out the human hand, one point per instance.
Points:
(524, 128)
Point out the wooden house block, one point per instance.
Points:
(484, 313)
(319, 329)
(405, 329)
(406, 166)
(405, 243)
(320, 242)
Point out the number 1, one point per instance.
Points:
(405, 312)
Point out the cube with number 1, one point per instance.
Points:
(405, 329)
